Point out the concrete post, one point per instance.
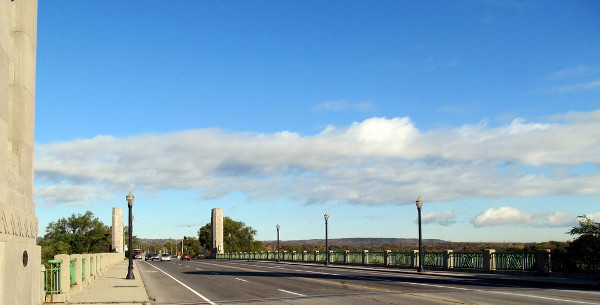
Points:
(386, 257)
(303, 256)
(78, 280)
(117, 231)
(543, 261)
(489, 264)
(448, 262)
(293, 256)
(365, 257)
(346, 257)
(65, 267)
(414, 258)
(217, 230)
(316, 256)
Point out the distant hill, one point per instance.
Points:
(361, 240)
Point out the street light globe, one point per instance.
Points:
(326, 216)
(419, 203)
(277, 226)
(129, 199)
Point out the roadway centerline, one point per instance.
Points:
(239, 279)
(186, 286)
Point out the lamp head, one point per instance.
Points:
(326, 216)
(419, 203)
(129, 199)
(277, 226)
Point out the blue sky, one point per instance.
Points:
(278, 112)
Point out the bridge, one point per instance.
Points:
(243, 281)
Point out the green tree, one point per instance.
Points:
(76, 234)
(588, 239)
(236, 236)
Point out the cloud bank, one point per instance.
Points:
(376, 161)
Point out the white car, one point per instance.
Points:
(165, 257)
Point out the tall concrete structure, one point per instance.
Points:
(217, 230)
(20, 257)
(117, 230)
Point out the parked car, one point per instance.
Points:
(155, 257)
(165, 257)
(186, 256)
(148, 257)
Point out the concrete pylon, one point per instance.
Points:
(117, 230)
(20, 257)
(217, 231)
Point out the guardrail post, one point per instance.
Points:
(489, 264)
(316, 256)
(78, 284)
(414, 258)
(386, 257)
(346, 256)
(65, 280)
(448, 262)
(543, 261)
(365, 257)
(293, 256)
(303, 256)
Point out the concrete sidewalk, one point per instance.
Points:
(112, 288)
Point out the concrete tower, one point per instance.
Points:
(217, 231)
(20, 257)
(117, 230)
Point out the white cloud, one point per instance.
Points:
(512, 216)
(377, 161)
(579, 87)
(444, 218)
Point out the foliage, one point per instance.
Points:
(589, 236)
(236, 236)
(76, 234)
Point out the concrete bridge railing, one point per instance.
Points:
(68, 273)
(541, 262)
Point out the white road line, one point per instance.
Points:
(198, 269)
(239, 279)
(298, 294)
(186, 286)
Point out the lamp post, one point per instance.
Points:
(129, 199)
(419, 203)
(249, 248)
(326, 216)
(277, 226)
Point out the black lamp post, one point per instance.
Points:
(249, 248)
(129, 199)
(419, 203)
(277, 226)
(326, 216)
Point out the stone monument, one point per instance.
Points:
(20, 257)
(217, 231)
(117, 230)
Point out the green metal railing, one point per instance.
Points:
(336, 257)
(321, 257)
(72, 271)
(575, 262)
(433, 259)
(399, 259)
(467, 260)
(521, 261)
(376, 258)
(52, 277)
(83, 268)
(354, 257)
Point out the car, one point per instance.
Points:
(165, 257)
(186, 256)
(155, 257)
(148, 257)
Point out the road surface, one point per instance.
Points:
(260, 282)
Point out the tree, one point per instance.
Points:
(589, 236)
(235, 236)
(76, 234)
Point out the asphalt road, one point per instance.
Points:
(259, 282)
